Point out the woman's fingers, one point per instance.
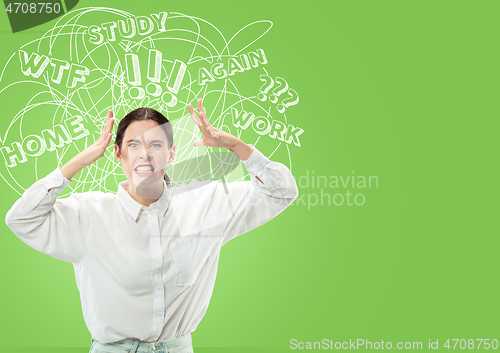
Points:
(203, 123)
(200, 106)
(206, 119)
(200, 120)
(106, 129)
(110, 120)
(111, 123)
(193, 115)
(203, 113)
(107, 141)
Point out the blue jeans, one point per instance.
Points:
(129, 345)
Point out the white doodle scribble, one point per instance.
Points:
(62, 84)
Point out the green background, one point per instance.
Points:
(405, 91)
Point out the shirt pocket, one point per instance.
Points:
(190, 255)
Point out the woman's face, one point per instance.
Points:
(144, 153)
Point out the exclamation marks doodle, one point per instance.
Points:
(174, 85)
(154, 73)
(153, 88)
(274, 97)
(134, 76)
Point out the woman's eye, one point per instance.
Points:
(156, 145)
(133, 145)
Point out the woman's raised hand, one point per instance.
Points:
(97, 149)
(212, 136)
(92, 153)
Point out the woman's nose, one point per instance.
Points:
(145, 148)
(145, 152)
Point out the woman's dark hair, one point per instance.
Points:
(145, 114)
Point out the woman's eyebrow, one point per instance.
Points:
(155, 141)
(133, 140)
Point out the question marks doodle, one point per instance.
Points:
(287, 102)
(274, 97)
(268, 84)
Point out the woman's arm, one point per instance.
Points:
(245, 205)
(250, 204)
(59, 228)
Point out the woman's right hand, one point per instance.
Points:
(96, 150)
(92, 153)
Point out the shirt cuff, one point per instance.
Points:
(56, 181)
(256, 162)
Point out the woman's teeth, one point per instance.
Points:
(144, 169)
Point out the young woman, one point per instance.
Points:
(145, 258)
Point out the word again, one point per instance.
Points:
(262, 126)
(220, 71)
(274, 97)
(34, 145)
(154, 75)
(128, 28)
(35, 65)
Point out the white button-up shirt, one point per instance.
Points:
(148, 272)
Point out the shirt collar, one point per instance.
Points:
(133, 207)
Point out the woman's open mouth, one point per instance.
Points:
(144, 170)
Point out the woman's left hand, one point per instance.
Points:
(212, 136)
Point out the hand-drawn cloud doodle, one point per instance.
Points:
(58, 88)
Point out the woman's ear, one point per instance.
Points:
(117, 154)
(172, 155)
